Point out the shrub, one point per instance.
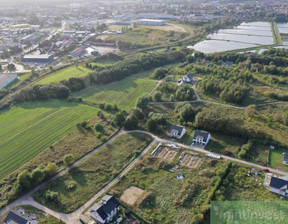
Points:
(151, 125)
(71, 185)
(119, 119)
(157, 96)
(99, 127)
(52, 196)
(142, 101)
(68, 159)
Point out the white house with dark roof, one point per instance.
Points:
(285, 161)
(176, 131)
(104, 211)
(19, 216)
(188, 78)
(201, 137)
(279, 186)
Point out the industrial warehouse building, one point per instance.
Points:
(151, 22)
(6, 79)
(78, 52)
(39, 59)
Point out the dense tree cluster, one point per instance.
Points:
(185, 112)
(214, 120)
(27, 180)
(229, 85)
(180, 93)
(159, 73)
(39, 92)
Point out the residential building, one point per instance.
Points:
(176, 131)
(227, 63)
(279, 186)
(201, 137)
(19, 216)
(104, 211)
(151, 22)
(6, 79)
(38, 59)
(285, 161)
(188, 78)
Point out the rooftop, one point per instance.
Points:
(106, 206)
(5, 78)
(278, 183)
(177, 128)
(201, 135)
(37, 56)
(19, 216)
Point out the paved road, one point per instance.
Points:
(279, 172)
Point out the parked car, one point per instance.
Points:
(266, 170)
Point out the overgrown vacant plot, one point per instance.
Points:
(167, 199)
(29, 128)
(65, 74)
(124, 93)
(143, 37)
(86, 179)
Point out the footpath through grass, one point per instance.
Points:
(65, 74)
(29, 128)
(86, 179)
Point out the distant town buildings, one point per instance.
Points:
(78, 52)
(151, 22)
(6, 79)
(38, 59)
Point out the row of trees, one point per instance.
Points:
(27, 180)
(39, 92)
(120, 70)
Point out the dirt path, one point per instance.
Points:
(198, 99)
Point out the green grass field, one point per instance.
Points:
(276, 160)
(29, 128)
(124, 93)
(94, 173)
(65, 74)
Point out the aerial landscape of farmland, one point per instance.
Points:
(143, 112)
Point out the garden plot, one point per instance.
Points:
(131, 195)
(166, 152)
(190, 159)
